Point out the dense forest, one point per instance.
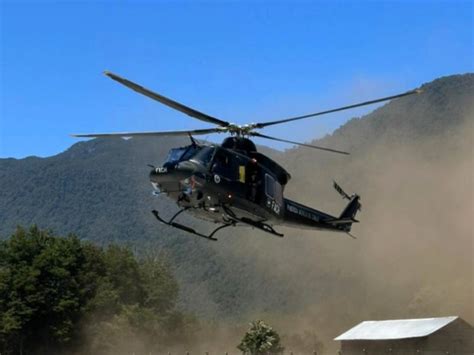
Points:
(411, 161)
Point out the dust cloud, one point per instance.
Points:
(413, 256)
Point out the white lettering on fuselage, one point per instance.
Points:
(302, 212)
(271, 204)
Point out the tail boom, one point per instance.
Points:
(306, 217)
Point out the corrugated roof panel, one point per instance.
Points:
(395, 329)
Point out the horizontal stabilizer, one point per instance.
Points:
(342, 221)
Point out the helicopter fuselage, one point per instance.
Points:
(221, 185)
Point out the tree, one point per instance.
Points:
(41, 293)
(260, 339)
(61, 295)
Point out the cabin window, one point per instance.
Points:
(273, 188)
(269, 186)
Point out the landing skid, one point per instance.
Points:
(231, 221)
(260, 225)
(189, 229)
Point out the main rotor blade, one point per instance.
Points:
(256, 134)
(270, 123)
(151, 134)
(166, 101)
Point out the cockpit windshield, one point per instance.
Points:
(199, 153)
(175, 155)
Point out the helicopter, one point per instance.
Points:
(232, 184)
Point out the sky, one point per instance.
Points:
(240, 61)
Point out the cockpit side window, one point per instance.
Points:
(190, 152)
(204, 155)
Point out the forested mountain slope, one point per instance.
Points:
(411, 161)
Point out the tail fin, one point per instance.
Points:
(351, 209)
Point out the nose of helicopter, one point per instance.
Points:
(171, 173)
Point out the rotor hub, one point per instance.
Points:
(240, 130)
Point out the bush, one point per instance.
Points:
(260, 339)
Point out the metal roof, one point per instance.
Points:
(395, 329)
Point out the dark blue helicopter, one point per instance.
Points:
(232, 184)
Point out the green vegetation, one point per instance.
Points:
(260, 339)
(59, 295)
